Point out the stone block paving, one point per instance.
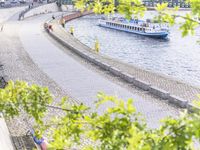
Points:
(28, 55)
(18, 65)
(81, 82)
(173, 86)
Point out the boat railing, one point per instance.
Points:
(150, 28)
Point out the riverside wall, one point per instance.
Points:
(98, 59)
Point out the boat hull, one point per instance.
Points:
(160, 35)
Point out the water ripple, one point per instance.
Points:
(176, 56)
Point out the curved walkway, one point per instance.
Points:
(179, 89)
(81, 82)
(5, 139)
(18, 66)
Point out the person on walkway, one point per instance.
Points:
(53, 17)
(50, 28)
(46, 27)
(71, 30)
(42, 142)
(1, 28)
(62, 22)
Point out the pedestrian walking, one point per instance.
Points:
(42, 142)
(1, 28)
(50, 28)
(62, 21)
(71, 31)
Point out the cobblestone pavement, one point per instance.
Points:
(38, 59)
(174, 87)
(19, 66)
(80, 81)
(47, 8)
(5, 14)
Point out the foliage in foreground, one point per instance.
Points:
(118, 127)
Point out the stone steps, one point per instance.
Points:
(23, 143)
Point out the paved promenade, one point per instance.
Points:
(29, 54)
(81, 82)
(5, 139)
(173, 86)
(19, 66)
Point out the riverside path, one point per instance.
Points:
(5, 14)
(81, 82)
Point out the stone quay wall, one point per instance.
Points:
(89, 54)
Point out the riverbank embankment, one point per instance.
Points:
(158, 85)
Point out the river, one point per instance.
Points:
(176, 57)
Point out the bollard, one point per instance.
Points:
(71, 30)
(97, 45)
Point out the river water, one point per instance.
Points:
(175, 56)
